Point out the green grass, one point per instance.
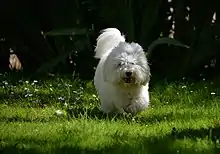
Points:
(182, 118)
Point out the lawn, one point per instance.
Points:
(62, 116)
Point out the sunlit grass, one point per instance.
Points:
(62, 116)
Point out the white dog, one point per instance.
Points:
(122, 75)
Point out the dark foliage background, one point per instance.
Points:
(59, 36)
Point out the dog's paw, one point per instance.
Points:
(131, 109)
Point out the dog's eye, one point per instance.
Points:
(118, 65)
(132, 63)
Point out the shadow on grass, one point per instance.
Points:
(6, 96)
(213, 134)
(151, 145)
(16, 118)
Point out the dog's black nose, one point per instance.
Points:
(128, 74)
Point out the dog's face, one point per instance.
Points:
(127, 65)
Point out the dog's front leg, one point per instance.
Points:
(134, 108)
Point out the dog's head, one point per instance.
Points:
(127, 65)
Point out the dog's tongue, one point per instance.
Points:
(127, 80)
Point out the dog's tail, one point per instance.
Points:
(107, 40)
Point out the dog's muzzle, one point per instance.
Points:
(128, 77)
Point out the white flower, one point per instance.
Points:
(94, 96)
(59, 112)
(75, 92)
(68, 85)
(171, 9)
(5, 82)
(28, 95)
(206, 66)
(25, 88)
(61, 98)
(213, 62)
(65, 104)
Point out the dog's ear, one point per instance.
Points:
(147, 76)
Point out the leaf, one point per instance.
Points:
(61, 57)
(45, 67)
(67, 32)
(165, 40)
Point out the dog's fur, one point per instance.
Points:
(122, 75)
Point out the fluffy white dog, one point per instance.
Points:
(122, 75)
